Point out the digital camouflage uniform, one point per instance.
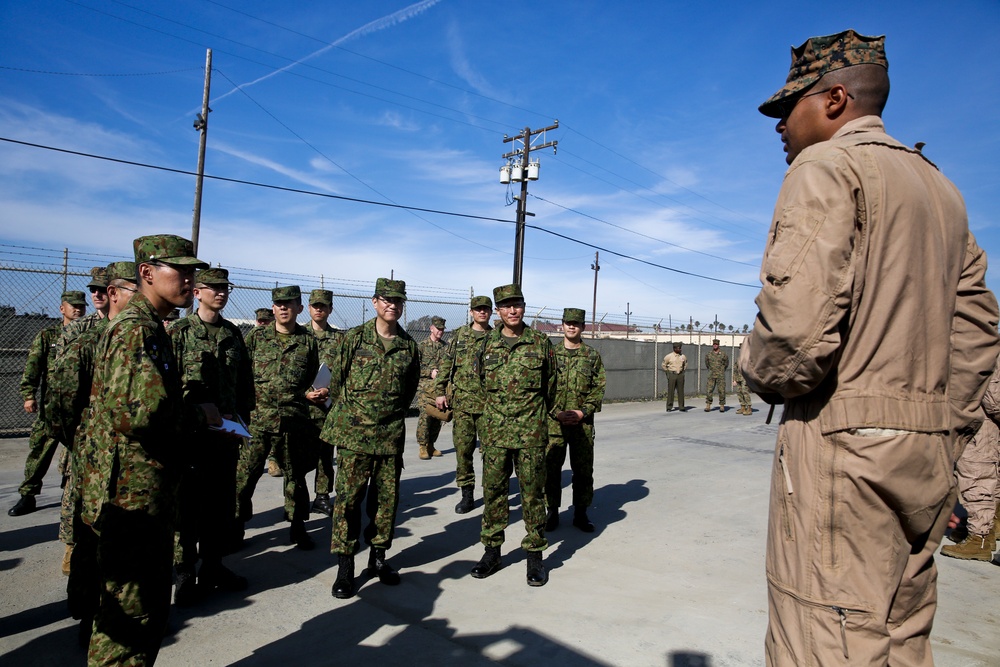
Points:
(377, 380)
(215, 368)
(580, 386)
(465, 396)
(327, 340)
(519, 379)
(284, 367)
(716, 361)
(432, 355)
(137, 438)
(742, 392)
(35, 384)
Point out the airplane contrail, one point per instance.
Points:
(389, 21)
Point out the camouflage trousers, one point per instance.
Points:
(355, 471)
(428, 429)
(294, 447)
(743, 393)
(465, 427)
(529, 465)
(324, 465)
(67, 505)
(716, 383)
(41, 449)
(134, 566)
(579, 440)
(83, 589)
(207, 500)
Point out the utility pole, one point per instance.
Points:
(628, 316)
(596, 266)
(201, 124)
(524, 171)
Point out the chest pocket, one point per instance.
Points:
(364, 370)
(265, 364)
(527, 370)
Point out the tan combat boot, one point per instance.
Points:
(973, 547)
(272, 468)
(66, 558)
(424, 456)
(708, 407)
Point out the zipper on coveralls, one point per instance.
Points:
(843, 625)
(788, 491)
(841, 612)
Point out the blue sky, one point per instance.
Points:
(662, 154)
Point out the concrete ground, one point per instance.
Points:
(673, 576)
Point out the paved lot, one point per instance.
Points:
(673, 576)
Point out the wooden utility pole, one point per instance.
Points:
(522, 201)
(201, 124)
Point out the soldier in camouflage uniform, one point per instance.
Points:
(36, 380)
(215, 368)
(263, 316)
(137, 434)
(285, 359)
(320, 307)
(716, 362)
(579, 394)
(458, 386)
(742, 391)
(432, 353)
(517, 368)
(377, 372)
(72, 379)
(98, 287)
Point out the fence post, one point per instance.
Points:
(65, 267)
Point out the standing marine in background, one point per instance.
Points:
(327, 338)
(458, 386)
(579, 394)
(432, 354)
(674, 365)
(35, 382)
(716, 361)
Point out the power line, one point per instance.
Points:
(374, 203)
(110, 74)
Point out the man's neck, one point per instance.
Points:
(477, 326)
(103, 312)
(515, 332)
(208, 314)
(285, 328)
(386, 329)
(319, 326)
(572, 344)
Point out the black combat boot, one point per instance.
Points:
(185, 587)
(321, 504)
(466, 504)
(537, 576)
(299, 537)
(343, 587)
(378, 566)
(488, 564)
(552, 519)
(26, 505)
(581, 521)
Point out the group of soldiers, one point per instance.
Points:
(675, 364)
(168, 425)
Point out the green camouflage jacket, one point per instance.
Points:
(38, 368)
(376, 389)
(214, 369)
(137, 427)
(75, 328)
(328, 340)
(716, 363)
(431, 356)
(581, 381)
(458, 369)
(519, 379)
(284, 367)
(72, 377)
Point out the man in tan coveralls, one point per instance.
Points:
(869, 245)
(977, 482)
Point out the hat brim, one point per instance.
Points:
(392, 295)
(774, 106)
(183, 261)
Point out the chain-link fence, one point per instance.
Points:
(32, 280)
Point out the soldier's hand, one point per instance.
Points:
(570, 417)
(211, 412)
(441, 402)
(434, 373)
(30, 406)
(318, 396)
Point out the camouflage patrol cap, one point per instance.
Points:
(574, 315)
(166, 248)
(480, 301)
(507, 293)
(98, 277)
(323, 296)
(289, 293)
(715, 341)
(819, 55)
(677, 344)
(393, 289)
(74, 298)
(212, 277)
(121, 271)
(438, 322)
(264, 314)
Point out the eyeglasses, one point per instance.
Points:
(218, 289)
(787, 107)
(127, 289)
(391, 300)
(512, 306)
(98, 290)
